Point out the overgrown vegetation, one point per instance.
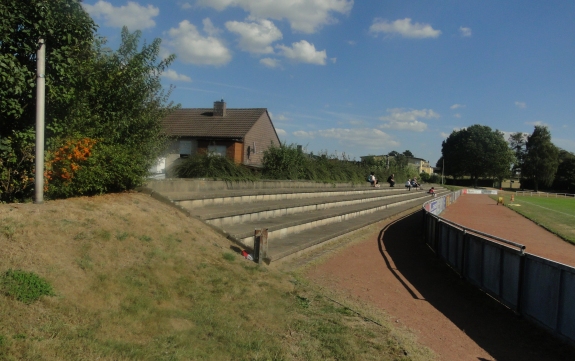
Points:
(212, 166)
(103, 131)
(184, 295)
(287, 162)
(25, 287)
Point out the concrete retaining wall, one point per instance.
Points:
(201, 184)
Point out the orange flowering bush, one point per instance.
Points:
(65, 162)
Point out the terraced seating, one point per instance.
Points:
(296, 217)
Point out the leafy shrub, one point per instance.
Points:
(16, 166)
(285, 162)
(24, 286)
(207, 165)
(95, 169)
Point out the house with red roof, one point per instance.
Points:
(241, 134)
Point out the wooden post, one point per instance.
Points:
(260, 244)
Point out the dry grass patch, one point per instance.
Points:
(134, 279)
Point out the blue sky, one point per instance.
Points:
(367, 77)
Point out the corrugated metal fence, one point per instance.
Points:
(541, 290)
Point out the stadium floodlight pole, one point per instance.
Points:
(40, 107)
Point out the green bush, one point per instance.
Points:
(16, 166)
(285, 162)
(203, 165)
(109, 168)
(24, 286)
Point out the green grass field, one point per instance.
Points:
(555, 214)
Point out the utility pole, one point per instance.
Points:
(40, 107)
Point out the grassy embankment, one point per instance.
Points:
(133, 279)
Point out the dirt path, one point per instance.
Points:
(395, 271)
(482, 213)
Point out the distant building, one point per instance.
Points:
(420, 164)
(241, 134)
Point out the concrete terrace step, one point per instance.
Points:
(297, 215)
(203, 199)
(219, 216)
(287, 225)
(280, 249)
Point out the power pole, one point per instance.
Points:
(40, 107)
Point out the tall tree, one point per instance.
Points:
(103, 109)
(541, 158)
(476, 151)
(565, 177)
(408, 153)
(69, 33)
(119, 104)
(517, 142)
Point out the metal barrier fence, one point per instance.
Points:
(541, 290)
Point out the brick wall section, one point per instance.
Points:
(262, 134)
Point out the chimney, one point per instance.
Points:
(220, 108)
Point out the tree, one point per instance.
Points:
(541, 158)
(517, 143)
(408, 153)
(103, 110)
(476, 151)
(116, 117)
(393, 153)
(69, 32)
(565, 177)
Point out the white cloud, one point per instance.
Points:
(457, 115)
(457, 106)
(404, 28)
(256, 37)
(303, 134)
(520, 105)
(132, 15)
(401, 119)
(281, 132)
(303, 15)
(444, 135)
(192, 47)
(465, 32)
(539, 123)
(173, 75)
(186, 6)
(364, 137)
(270, 63)
(303, 52)
(209, 28)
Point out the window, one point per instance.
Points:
(217, 149)
(187, 147)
